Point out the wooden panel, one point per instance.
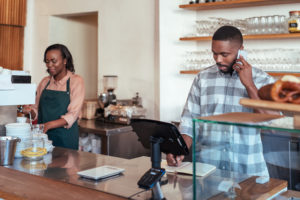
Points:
(11, 47)
(235, 4)
(13, 12)
(249, 37)
(252, 190)
(288, 194)
(9, 196)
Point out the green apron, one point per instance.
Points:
(53, 104)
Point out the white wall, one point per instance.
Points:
(126, 42)
(80, 35)
(174, 22)
(145, 61)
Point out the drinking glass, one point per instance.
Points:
(270, 24)
(283, 24)
(276, 24)
(256, 25)
(263, 24)
(37, 128)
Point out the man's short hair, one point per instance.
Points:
(230, 33)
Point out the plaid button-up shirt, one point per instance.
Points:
(213, 93)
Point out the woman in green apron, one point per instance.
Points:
(59, 98)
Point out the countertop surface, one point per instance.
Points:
(102, 128)
(62, 165)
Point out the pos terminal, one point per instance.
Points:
(159, 137)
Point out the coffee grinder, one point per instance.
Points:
(108, 97)
(110, 84)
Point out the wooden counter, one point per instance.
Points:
(17, 185)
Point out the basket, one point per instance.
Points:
(89, 109)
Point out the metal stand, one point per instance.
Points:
(157, 193)
(156, 160)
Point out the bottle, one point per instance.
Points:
(137, 101)
(294, 22)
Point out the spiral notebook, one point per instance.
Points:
(100, 172)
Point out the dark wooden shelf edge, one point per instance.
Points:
(270, 73)
(235, 4)
(249, 37)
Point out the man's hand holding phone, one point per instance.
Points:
(244, 69)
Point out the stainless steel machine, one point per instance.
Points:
(108, 97)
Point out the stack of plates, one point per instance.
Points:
(20, 130)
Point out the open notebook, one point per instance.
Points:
(202, 169)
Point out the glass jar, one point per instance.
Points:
(294, 22)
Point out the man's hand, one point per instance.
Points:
(244, 69)
(176, 161)
(245, 73)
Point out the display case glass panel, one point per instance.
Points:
(236, 151)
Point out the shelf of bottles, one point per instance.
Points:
(203, 5)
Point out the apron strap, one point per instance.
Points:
(68, 86)
(47, 84)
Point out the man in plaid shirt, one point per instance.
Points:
(217, 90)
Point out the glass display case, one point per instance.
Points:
(245, 156)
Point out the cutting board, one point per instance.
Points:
(272, 105)
(242, 117)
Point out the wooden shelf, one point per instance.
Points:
(284, 73)
(250, 37)
(189, 71)
(270, 73)
(235, 4)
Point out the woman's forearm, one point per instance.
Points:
(54, 124)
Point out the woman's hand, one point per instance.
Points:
(47, 126)
(54, 124)
(26, 109)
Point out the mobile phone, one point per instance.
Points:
(243, 53)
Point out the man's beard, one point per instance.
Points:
(229, 68)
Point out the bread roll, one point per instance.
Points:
(287, 89)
